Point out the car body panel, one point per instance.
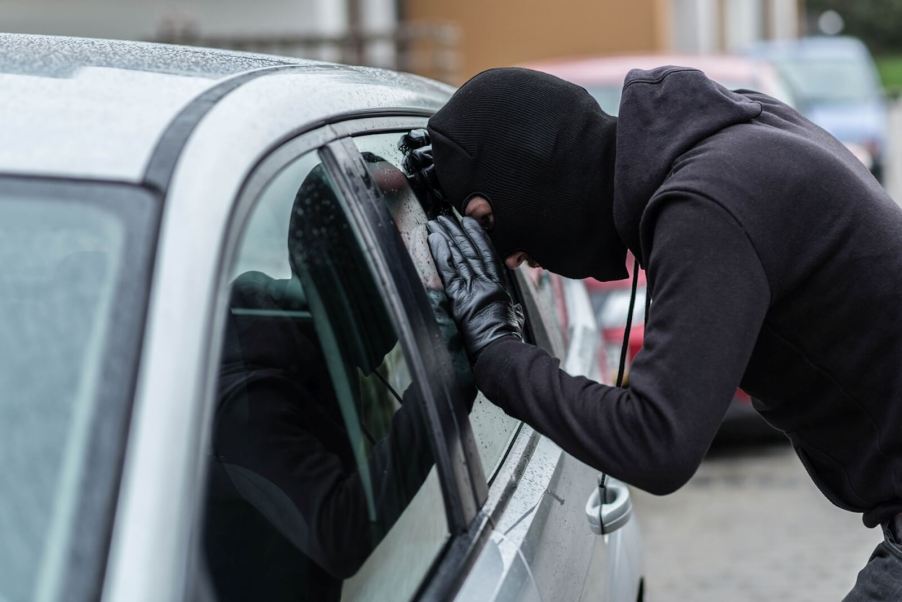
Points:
(541, 546)
(98, 107)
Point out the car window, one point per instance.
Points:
(543, 301)
(492, 428)
(830, 79)
(321, 462)
(72, 287)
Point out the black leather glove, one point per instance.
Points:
(469, 269)
(420, 168)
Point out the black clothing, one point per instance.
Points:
(541, 150)
(288, 514)
(879, 580)
(774, 262)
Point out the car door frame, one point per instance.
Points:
(454, 447)
(472, 509)
(450, 571)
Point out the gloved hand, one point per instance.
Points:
(419, 166)
(469, 269)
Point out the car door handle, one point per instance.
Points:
(614, 513)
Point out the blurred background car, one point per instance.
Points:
(603, 76)
(836, 83)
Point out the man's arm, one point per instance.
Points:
(710, 298)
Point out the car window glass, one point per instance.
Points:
(492, 428)
(321, 460)
(69, 266)
(544, 301)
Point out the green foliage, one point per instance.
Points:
(877, 22)
(890, 68)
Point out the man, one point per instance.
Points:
(774, 262)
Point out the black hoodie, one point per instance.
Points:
(774, 262)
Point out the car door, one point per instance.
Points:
(540, 543)
(484, 520)
(333, 472)
(615, 558)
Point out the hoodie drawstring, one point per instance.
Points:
(629, 323)
(602, 477)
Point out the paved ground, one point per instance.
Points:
(750, 526)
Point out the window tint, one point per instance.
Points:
(492, 428)
(71, 294)
(321, 481)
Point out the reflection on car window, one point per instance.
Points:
(320, 453)
(492, 428)
(545, 301)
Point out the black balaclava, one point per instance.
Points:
(541, 150)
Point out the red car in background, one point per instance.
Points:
(610, 301)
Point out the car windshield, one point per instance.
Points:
(70, 297)
(826, 79)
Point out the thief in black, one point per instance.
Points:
(774, 262)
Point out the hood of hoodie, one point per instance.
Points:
(664, 112)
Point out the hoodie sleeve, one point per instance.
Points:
(710, 297)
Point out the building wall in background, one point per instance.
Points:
(507, 32)
(145, 20)
(446, 39)
(707, 26)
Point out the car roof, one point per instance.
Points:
(76, 107)
(613, 69)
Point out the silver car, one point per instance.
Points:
(228, 371)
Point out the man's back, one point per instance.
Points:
(825, 368)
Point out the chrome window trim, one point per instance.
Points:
(398, 280)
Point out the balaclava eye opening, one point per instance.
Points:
(541, 150)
